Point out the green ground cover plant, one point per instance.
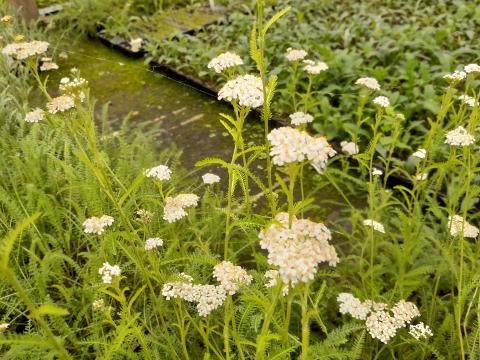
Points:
(110, 250)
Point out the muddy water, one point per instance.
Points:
(174, 112)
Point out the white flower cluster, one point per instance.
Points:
(144, 215)
(108, 272)
(375, 225)
(225, 61)
(231, 277)
(421, 176)
(4, 327)
(97, 225)
(292, 145)
(381, 323)
(207, 297)
(136, 45)
(456, 76)
(369, 83)
(298, 250)
(377, 172)
(295, 54)
(98, 304)
(153, 243)
(381, 101)
(458, 225)
(459, 137)
(24, 50)
(314, 68)
(349, 148)
(35, 116)
(420, 331)
(472, 68)
(467, 100)
(175, 206)
(246, 90)
(75, 86)
(60, 103)
(300, 118)
(160, 172)
(273, 277)
(420, 153)
(210, 179)
(48, 64)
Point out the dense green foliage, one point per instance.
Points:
(72, 166)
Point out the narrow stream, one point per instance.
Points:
(175, 112)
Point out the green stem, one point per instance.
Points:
(305, 323)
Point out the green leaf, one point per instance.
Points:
(50, 309)
(274, 19)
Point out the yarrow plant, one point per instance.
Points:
(97, 225)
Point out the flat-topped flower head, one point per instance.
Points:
(292, 145)
(349, 304)
(225, 61)
(210, 179)
(35, 116)
(273, 277)
(297, 250)
(231, 277)
(24, 50)
(420, 153)
(153, 243)
(369, 83)
(421, 176)
(48, 66)
(108, 272)
(245, 90)
(467, 100)
(377, 172)
(6, 18)
(98, 304)
(97, 225)
(472, 68)
(300, 118)
(381, 101)
(144, 216)
(458, 225)
(60, 104)
(160, 172)
(136, 45)
(420, 331)
(175, 206)
(315, 68)
(349, 148)
(4, 327)
(295, 54)
(375, 225)
(459, 137)
(455, 77)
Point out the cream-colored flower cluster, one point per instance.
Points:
(24, 50)
(136, 44)
(60, 104)
(382, 323)
(349, 148)
(459, 137)
(97, 225)
(153, 243)
(472, 68)
(295, 54)
(300, 118)
(160, 172)
(375, 225)
(420, 153)
(293, 145)
(382, 101)
(206, 297)
(467, 100)
(420, 331)
(225, 61)
(35, 116)
(369, 83)
(458, 225)
(74, 86)
(314, 68)
(231, 277)
(297, 250)
(455, 77)
(210, 179)
(144, 216)
(175, 206)
(108, 272)
(245, 90)
(48, 64)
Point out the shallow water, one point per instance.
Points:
(175, 112)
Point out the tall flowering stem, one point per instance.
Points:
(257, 50)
